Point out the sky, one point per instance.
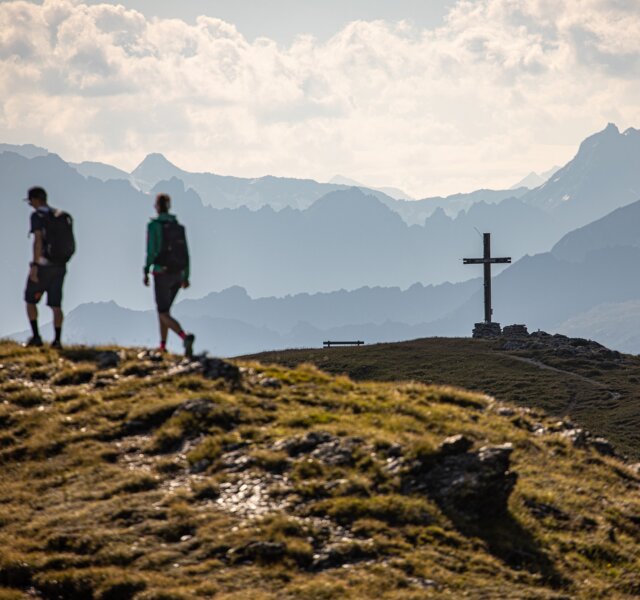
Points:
(431, 97)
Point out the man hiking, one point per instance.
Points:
(53, 246)
(168, 261)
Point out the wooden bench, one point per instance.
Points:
(330, 343)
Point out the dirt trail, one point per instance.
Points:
(614, 396)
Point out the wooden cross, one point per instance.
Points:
(487, 261)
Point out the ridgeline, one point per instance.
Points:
(130, 475)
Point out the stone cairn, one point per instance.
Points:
(487, 330)
(515, 331)
(493, 330)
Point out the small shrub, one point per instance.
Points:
(75, 376)
(208, 449)
(307, 469)
(27, 398)
(206, 491)
(135, 484)
(192, 384)
(392, 509)
(73, 584)
(274, 462)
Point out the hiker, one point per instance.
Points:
(168, 261)
(53, 246)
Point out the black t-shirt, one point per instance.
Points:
(38, 219)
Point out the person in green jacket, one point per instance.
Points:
(168, 262)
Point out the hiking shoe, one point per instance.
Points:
(188, 345)
(35, 340)
(57, 344)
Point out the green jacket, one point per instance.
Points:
(154, 244)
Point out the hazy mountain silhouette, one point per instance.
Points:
(221, 191)
(100, 171)
(616, 325)
(619, 228)
(395, 193)
(534, 180)
(346, 239)
(604, 175)
(26, 150)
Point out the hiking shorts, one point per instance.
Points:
(50, 280)
(166, 286)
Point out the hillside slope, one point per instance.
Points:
(139, 476)
(595, 387)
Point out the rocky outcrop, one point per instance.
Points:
(471, 484)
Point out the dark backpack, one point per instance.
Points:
(59, 243)
(174, 254)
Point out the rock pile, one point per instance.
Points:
(561, 345)
(515, 331)
(486, 330)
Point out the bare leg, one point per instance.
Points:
(32, 312)
(168, 322)
(164, 330)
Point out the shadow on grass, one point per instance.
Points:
(511, 543)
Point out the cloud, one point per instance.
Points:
(501, 88)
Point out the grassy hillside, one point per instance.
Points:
(598, 390)
(129, 475)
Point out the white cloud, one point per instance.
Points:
(503, 87)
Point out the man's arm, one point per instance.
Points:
(37, 254)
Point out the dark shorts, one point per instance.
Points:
(50, 280)
(166, 286)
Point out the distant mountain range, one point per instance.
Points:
(596, 297)
(346, 239)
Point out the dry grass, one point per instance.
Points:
(106, 493)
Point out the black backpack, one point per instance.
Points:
(59, 243)
(174, 254)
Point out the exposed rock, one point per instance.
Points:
(577, 436)
(270, 382)
(603, 446)
(107, 359)
(199, 407)
(516, 331)
(304, 444)
(455, 444)
(210, 368)
(322, 446)
(236, 461)
(338, 452)
(506, 411)
(258, 552)
(514, 345)
(473, 484)
(216, 368)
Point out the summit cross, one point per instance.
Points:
(487, 261)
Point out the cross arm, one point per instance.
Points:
(481, 261)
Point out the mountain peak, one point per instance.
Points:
(611, 128)
(155, 167)
(154, 160)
